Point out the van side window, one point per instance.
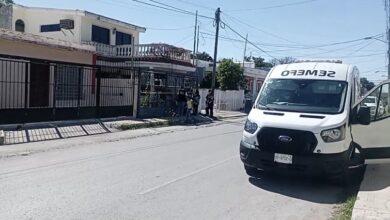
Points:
(383, 104)
(371, 101)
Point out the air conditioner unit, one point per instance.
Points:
(67, 24)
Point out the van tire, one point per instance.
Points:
(252, 171)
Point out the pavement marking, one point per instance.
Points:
(186, 176)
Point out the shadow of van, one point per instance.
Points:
(317, 190)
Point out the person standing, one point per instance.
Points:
(181, 101)
(210, 104)
(196, 100)
(189, 107)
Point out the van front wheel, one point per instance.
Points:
(252, 171)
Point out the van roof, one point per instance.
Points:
(311, 70)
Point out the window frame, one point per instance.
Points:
(123, 35)
(99, 39)
(45, 28)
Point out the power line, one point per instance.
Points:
(258, 29)
(249, 42)
(171, 8)
(296, 49)
(274, 6)
(170, 29)
(194, 4)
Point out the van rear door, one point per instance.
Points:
(371, 124)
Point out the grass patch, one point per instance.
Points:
(147, 125)
(344, 212)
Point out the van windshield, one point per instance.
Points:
(309, 96)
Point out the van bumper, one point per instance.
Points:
(312, 165)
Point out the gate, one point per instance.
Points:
(42, 90)
(158, 91)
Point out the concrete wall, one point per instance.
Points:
(35, 17)
(230, 100)
(6, 17)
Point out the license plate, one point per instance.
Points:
(283, 158)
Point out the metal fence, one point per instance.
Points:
(158, 91)
(42, 90)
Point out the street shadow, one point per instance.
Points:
(377, 177)
(315, 190)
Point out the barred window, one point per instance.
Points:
(68, 82)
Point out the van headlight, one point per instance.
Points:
(250, 127)
(334, 134)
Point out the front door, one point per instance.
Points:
(39, 85)
(374, 138)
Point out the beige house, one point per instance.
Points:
(79, 62)
(16, 71)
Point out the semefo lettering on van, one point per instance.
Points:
(321, 73)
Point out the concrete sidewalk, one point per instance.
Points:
(373, 200)
(43, 131)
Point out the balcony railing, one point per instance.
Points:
(143, 51)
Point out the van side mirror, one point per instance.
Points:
(364, 115)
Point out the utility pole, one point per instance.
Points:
(217, 23)
(196, 25)
(387, 5)
(197, 47)
(243, 59)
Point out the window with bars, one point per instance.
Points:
(67, 81)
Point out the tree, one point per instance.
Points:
(203, 56)
(367, 85)
(284, 60)
(230, 75)
(6, 2)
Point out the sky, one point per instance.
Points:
(303, 29)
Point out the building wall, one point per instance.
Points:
(6, 17)
(86, 27)
(16, 48)
(34, 18)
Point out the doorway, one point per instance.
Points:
(39, 85)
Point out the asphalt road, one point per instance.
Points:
(193, 174)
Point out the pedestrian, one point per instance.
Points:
(210, 104)
(189, 106)
(181, 103)
(196, 100)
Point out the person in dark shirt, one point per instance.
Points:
(181, 102)
(210, 104)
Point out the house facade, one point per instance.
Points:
(254, 80)
(70, 25)
(86, 66)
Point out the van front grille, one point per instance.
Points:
(286, 141)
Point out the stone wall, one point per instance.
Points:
(6, 16)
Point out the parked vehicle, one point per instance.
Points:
(372, 102)
(309, 118)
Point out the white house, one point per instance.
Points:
(71, 25)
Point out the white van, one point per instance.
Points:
(309, 117)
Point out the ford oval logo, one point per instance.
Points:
(285, 139)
